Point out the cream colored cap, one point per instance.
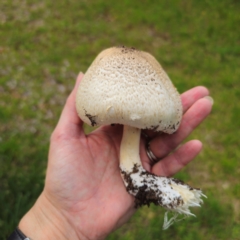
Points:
(127, 86)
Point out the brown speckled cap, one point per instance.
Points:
(129, 87)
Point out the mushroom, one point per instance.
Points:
(129, 87)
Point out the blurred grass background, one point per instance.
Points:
(43, 46)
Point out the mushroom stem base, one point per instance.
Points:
(170, 193)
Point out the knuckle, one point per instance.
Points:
(58, 136)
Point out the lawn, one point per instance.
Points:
(43, 46)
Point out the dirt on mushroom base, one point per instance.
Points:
(172, 194)
(145, 196)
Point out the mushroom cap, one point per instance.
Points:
(127, 86)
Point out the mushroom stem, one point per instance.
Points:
(129, 149)
(147, 188)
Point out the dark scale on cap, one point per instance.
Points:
(92, 119)
(127, 49)
(154, 128)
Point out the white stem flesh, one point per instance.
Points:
(129, 149)
(147, 188)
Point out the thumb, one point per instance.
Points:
(69, 124)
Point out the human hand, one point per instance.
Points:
(84, 195)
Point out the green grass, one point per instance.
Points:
(43, 46)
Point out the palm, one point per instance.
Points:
(83, 178)
(90, 180)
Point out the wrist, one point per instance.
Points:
(44, 221)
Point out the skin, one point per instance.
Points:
(84, 196)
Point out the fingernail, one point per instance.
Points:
(210, 99)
